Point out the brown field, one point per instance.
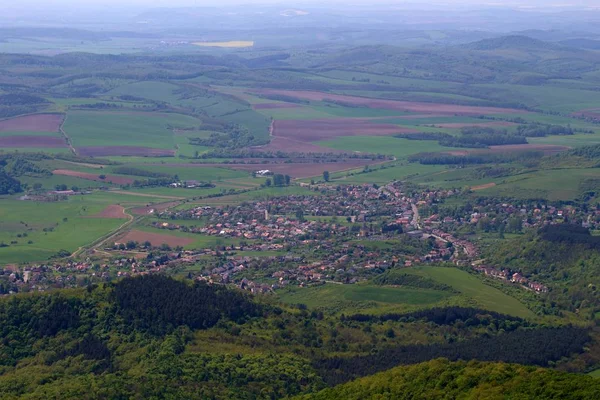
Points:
(493, 124)
(118, 180)
(100, 151)
(296, 170)
(32, 123)
(593, 113)
(291, 145)
(436, 108)
(32, 141)
(547, 149)
(156, 239)
(112, 211)
(270, 106)
(482, 187)
(155, 208)
(325, 129)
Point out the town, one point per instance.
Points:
(342, 234)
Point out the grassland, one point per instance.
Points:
(348, 297)
(383, 145)
(470, 286)
(51, 227)
(97, 128)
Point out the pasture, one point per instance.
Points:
(339, 298)
(482, 295)
(399, 148)
(46, 228)
(115, 133)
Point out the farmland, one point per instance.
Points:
(347, 297)
(260, 202)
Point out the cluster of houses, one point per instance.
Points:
(510, 276)
(320, 238)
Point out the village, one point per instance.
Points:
(344, 235)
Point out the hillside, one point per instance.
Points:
(513, 42)
(474, 380)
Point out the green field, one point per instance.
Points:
(559, 184)
(195, 172)
(595, 374)
(32, 218)
(382, 176)
(383, 145)
(98, 128)
(470, 286)
(333, 296)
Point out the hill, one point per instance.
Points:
(474, 380)
(512, 42)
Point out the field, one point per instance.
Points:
(383, 145)
(416, 107)
(109, 179)
(125, 134)
(156, 239)
(231, 44)
(46, 228)
(468, 285)
(348, 297)
(327, 129)
(32, 123)
(32, 141)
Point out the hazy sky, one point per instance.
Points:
(291, 3)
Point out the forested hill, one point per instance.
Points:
(441, 379)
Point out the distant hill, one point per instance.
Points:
(588, 44)
(513, 42)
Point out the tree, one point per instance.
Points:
(288, 179)
(278, 180)
(326, 176)
(268, 182)
(300, 214)
(102, 177)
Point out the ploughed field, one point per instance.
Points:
(32, 123)
(416, 107)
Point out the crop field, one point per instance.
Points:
(32, 123)
(383, 145)
(125, 134)
(109, 179)
(46, 228)
(358, 297)
(388, 174)
(156, 239)
(485, 296)
(327, 129)
(26, 141)
(559, 184)
(417, 107)
(157, 91)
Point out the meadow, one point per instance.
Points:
(97, 128)
(51, 227)
(344, 298)
(471, 287)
